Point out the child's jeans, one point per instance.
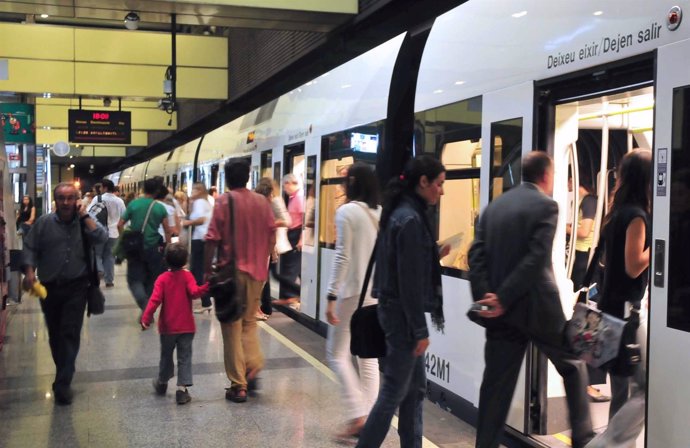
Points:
(183, 343)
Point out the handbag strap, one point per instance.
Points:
(373, 220)
(148, 213)
(231, 205)
(367, 276)
(91, 268)
(587, 280)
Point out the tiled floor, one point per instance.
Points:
(115, 405)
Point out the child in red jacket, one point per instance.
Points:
(175, 290)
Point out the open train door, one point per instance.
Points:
(669, 313)
(507, 133)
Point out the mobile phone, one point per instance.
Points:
(592, 292)
(477, 307)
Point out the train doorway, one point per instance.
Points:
(587, 126)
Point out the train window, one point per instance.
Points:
(506, 152)
(453, 132)
(459, 206)
(332, 196)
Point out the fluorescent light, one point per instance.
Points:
(517, 15)
(346, 86)
(438, 91)
(459, 83)
(44, 16)
(598, 13)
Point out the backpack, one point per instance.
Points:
(99, 211)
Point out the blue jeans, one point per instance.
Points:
(105, 261)
(142, 274)
(404, 385)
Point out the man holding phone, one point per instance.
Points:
(515, 291)
(54, 247)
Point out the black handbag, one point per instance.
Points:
(95, 300)
(223, 284)
(367, 339)
(132, 241)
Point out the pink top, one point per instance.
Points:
(296, 209)
(175, 290)
(254, 231)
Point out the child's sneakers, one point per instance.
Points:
(182, 396)
(160, 388)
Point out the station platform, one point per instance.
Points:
(115, 404)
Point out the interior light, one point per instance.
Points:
(598, 13)
(44, 16)
(132, 20)
(438, 91)
(71, 165)
(517, 15)
(459, 83)
(346, 86)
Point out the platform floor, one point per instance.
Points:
(115, 405)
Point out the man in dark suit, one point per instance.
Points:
(512, 277)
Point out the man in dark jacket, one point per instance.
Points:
(512, 278)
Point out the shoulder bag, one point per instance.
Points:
(95, 301)
(367, 339)
(223, 283)
(132, 241)
(601, 339)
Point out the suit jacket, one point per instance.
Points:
(511, 257)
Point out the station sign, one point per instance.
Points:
(100, 126)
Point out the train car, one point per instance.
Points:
(492, 80)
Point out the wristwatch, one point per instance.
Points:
(331, 297)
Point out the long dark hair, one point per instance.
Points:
(423, 165)
(30, 205)
(362, 185)
(634, 182)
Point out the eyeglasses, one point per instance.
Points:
(65, 198)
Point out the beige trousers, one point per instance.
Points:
(241, 348)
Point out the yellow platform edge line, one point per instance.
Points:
(563, 438)
(321, 367)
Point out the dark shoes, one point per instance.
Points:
(595, 395)
(63, 395)
(236, 395)
(160, 388)
(182, 397)
(109, 285)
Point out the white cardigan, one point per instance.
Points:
(356, 236)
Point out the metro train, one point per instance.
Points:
(487, 82)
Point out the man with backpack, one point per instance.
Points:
(107, 209)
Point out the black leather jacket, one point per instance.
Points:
(404, 260)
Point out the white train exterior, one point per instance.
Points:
(494, 61)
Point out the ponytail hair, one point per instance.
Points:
(423, 165)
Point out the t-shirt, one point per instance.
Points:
(201, 208)
(588, 210)
(171, 218)
(115, 207)
(136, 213)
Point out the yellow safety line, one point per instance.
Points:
(321, 367)
(563, 438)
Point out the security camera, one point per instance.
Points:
(132, 21)
(166, 104)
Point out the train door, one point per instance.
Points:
(669, 310)
(507, 133)
(266, 167)
(291, 263)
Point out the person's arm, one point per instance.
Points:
(410, 264)
(213, 237)
(154, 302)
(524, 275)
(30, 257)
(194, 291)
(123, 220)
(167, 230)
(589, 211)
(32, 218)
(93, 229)
(584, 227)
(636, 256)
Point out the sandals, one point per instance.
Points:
(236, 395)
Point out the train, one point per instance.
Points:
(481, 86)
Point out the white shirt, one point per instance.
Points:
(201, 208)
(171, 218)
(116, 208)
(356, 227)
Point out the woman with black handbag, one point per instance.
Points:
(407, 283)
(357, 225)
(626, 234)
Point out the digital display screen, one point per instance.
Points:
(368, 143)
(95, 126)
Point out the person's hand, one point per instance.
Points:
(421, 347)
(330, 313)
(444, 251)
(299, 245)
(144, 326)
(274, 256)
(81, 210)
(495, 308)
(29, 280)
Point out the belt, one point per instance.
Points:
(62, 282)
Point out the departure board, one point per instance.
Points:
(97, 126)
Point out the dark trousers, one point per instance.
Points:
(579, 269)
(266, 307)
(142, 274)
(63, 310)
(291, 267)
(503, 355)
(166, 370)
(196, 265)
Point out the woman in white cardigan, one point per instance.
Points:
(356, 228)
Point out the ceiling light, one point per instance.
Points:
(44, 16)
(517, 15)
(132, 21)
(598, 13)
(107, 101)
(47, 95)
(71, 165)
(459, 83)
(346, 86)
(438, 91)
